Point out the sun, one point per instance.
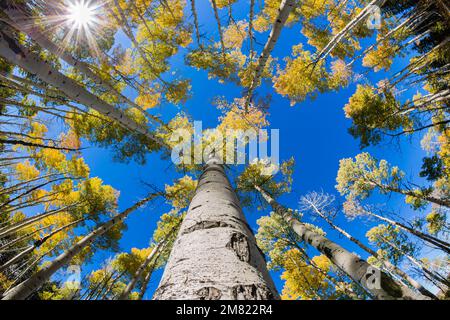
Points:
(81, 14)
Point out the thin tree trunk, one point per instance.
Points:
(215, 255)
(111, 286)
(196, 26)
(22, 224)
(355, 267)
(427, 198)
(20, 239)
(389, 266)
(34, 188)
(147, 277)
(341, 34)
(330, 278)
(250, 27)
(444, 8)
(407, 192)
(36, 245)
(219, 26)
(425, 237)
(434, 275)
(129, 33)
(15, 53)
(138, 274)
(32, 144)
(27, 287)
(286, 7)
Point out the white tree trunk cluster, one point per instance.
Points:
(16, 54)
(27, 287)
(379, 284)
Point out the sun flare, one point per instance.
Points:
(81, 14)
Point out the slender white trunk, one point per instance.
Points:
(378, 283)
(140, 271)
(443, 283)
(425, 237)
(352, 24)
(147, 277)
(286, 7)
(387, 264)
(36, 244)
(22, 224)
(215, 255)
(27, 287)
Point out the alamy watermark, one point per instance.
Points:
(230, 148)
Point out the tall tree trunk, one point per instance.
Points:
(286, 7)
(146, 280)
(36, 245)
(436, 276)
(351, 25)
(431, 199)
(407, 192)
(384, 288)
(425, 237)
(387, 264)
(330, 278)
(28, 221)
(196, 26)
(250, 27)
(27, 287)
(16, 54)
(215, 255)
(219, 26)
(140, 271)
(32, 144)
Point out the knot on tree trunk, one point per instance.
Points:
(202, 225)
(251, 292)
(239, 244)
(209, 293)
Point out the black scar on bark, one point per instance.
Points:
(251, 292)
(239, 244)
(202, 225)
(209, 293)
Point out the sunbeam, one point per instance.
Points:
(81, 14)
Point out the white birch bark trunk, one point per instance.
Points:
(147, 278)
(36, 244)
(379, 284)
(27, 287)
(343, 32)
(215, 255)
(22, 224)
(425, 237)
(140, 271)
(389, 266)
(286, 7)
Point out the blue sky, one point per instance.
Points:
(313, 132)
